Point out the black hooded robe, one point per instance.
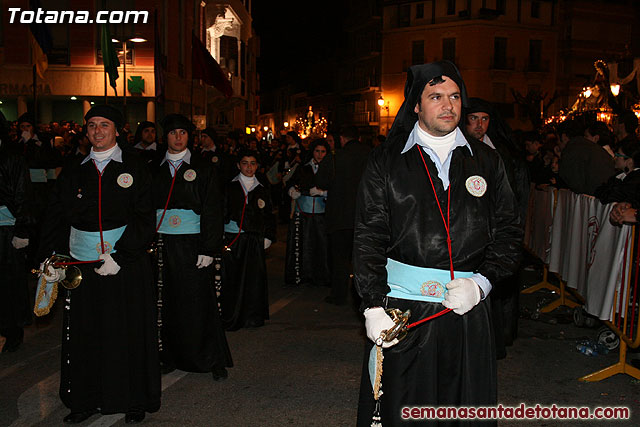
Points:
(192, 335)
(244, 296)
(109, 341)
(449, 361)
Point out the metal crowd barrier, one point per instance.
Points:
(623, 318)
(624, 321)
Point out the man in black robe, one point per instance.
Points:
(101, 210)
(188, 203)
(14, 239)
(145, 141)
(483, 122)
(250, 228)
(436, 225)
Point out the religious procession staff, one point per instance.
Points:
(101, 208)
(15, 310)
(250, 228)
(436, 226)
(188, 205)
(306, 259)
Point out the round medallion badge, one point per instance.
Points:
(261, 203)
(107, 248)
(125, 180)
(432, 289)
(476, 185)
(174, 221)
(189, 175)
(214, 159)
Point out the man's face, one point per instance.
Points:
(102, 133)
(439, 108)
(532, 147)
(26, 127)
(177, 140)
(206, 141)
(248, 166)
(477, 124)
(318, 153)
(149, 135)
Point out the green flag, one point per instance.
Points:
(109, 57)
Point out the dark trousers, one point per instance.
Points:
(341, 243)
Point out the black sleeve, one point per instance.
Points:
(211, 217)
(371, 234)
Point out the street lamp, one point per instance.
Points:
(384, 105)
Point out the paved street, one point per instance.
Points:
(303, 369)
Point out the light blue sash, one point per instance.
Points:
(310, 205)
(85, 245)
(38, 175)
(419, 283)
(178, 221)
(51, 174)
(232, 227)
(6, 218)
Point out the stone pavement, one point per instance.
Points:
(303, 369)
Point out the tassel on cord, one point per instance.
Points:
(376, 420)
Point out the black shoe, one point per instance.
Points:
(78, 417)
(253, 323)
(134, 417)
(219, 373)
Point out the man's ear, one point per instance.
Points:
(416, 109)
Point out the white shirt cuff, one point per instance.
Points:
(483, 282)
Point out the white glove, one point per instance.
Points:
(204, 261)
(376, 321)
(315, 191)
(462, 295)
(293, 193)
(19, 243)
(267, 243)
(52, 274)
(109, 267)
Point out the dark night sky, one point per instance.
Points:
(293, 38)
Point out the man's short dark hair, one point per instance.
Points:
(571, 128)
(349, 132)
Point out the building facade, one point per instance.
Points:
(75, 77)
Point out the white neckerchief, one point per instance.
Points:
(440, 144)
(248, 182)
(177, 156)
(101, 156)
